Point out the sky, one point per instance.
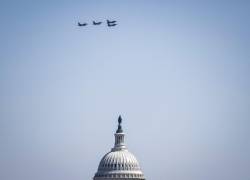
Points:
(177, 71)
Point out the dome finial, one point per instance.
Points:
(119, 130)
(120, 119)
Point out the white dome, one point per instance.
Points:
(119, 160)
(119, 163)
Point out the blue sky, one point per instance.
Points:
(177, 71)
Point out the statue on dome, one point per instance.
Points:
(120, 119)
(119, 130)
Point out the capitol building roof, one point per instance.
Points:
(119, 163)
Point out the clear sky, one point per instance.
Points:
(177, 71)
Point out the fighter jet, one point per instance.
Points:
(82, 24)
(111, 23)
(97, 23)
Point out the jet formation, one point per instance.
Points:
(95, 23)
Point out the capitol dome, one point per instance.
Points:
(119, 163)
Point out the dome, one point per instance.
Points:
(119, 163)
(119, 160)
